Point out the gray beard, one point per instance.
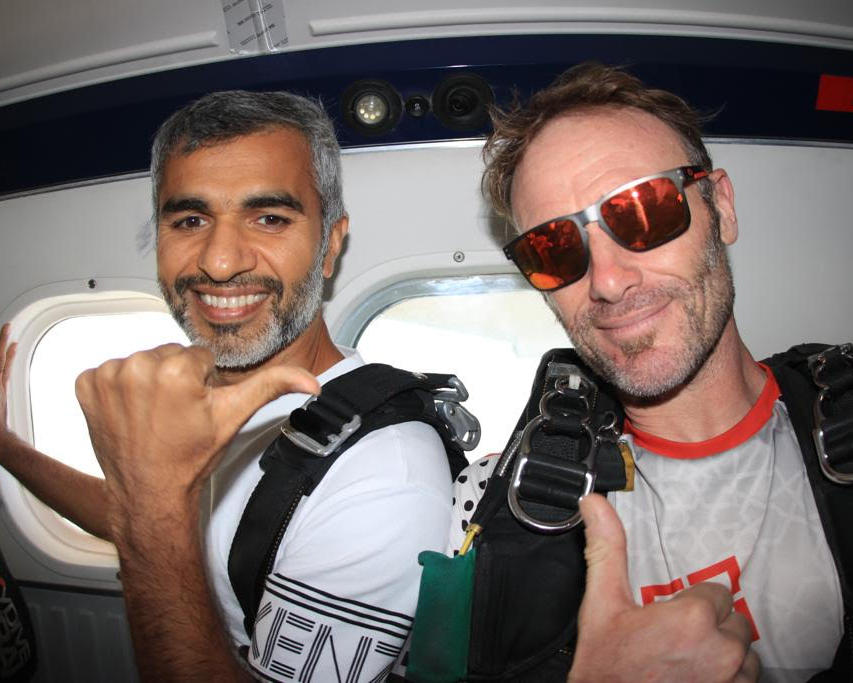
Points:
(230, 346)
(699, 337)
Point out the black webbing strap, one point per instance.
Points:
(561, 436)
(380, 395)
(357, 393)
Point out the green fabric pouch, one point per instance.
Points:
(439, 645)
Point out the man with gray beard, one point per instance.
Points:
(623, 223)
(250, 221)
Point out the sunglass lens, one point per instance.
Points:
(646, 215)
(551, 255)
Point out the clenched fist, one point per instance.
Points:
(693, 637)
(159, 422)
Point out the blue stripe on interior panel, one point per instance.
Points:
(761, 90)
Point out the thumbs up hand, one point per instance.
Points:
(695, 636)
(159, 425)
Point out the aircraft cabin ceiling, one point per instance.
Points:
(85, 83)
(52, 45)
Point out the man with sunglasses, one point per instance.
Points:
(718, 556)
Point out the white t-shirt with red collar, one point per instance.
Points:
(738, 510)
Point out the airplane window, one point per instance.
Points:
(492, 340)
(489, 330)
(68, 348)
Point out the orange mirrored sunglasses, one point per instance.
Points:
(639, 215)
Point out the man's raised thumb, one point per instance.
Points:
(606, 558)
(237, 402)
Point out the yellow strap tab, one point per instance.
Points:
(628, 459)
(470, 532)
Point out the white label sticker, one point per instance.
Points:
(255, 26)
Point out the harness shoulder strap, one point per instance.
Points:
(834, 501)
(314, 436)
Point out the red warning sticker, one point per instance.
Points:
(835, 93)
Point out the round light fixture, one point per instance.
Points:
(371, 107)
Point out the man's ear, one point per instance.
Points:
(336, 242)
(724, 199)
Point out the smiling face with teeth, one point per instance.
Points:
(238, 248)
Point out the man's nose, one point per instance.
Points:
(226, 252)
(613, 270)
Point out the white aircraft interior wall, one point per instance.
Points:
(414, 210)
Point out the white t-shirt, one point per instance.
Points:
(737, 509)
(340, 601)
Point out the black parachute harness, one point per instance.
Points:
(508, 601)
(314, 436)
(570, 447)
(566, 444)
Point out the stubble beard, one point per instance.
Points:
(235, 347)
(638, 370)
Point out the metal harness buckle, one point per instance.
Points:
(334, 440)
(464, 427)
(817, 365)
(575, 382)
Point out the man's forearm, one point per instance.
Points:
(159, 426)
(177, 632)
(79, 497)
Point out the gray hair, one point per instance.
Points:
(222, 116)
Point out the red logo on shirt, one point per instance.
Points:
(728, 567)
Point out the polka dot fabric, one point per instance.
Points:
(467, 491)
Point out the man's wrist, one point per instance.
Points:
(149, 526)
(7, 436)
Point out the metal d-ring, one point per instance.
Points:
(562, 386)
(521, 461)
